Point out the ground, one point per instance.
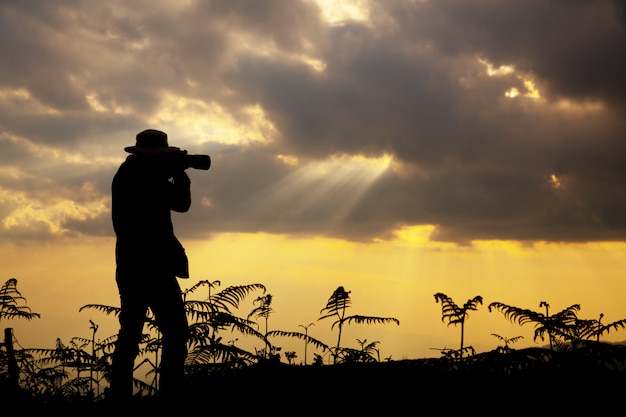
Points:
(537, 381)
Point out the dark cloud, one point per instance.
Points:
(575, 49)
(289, 26)
(412, 82)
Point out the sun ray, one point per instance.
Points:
(339, 182)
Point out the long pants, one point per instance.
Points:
(162, 295)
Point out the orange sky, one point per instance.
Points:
(389, 279)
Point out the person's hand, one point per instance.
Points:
(181, 177)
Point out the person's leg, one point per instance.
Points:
(131, 318)
(170, 317)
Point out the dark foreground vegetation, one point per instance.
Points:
(536, 380)
(589, 379)
(576, 374)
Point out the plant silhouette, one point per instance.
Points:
(210, 317)
(336, 308)
(507, 341)
(454, 314)
(12, 303)
(579, 331)
(75, 372)
(545, 324)
(263, 311)
(598, 329)
(213, 316)
(306, 343)
(369, 351)
(150, 344)
(290, 356)
(300, 336)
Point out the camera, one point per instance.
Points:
(185, 161)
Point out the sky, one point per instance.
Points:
(396, 148)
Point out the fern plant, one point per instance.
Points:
(579, 331)
(555, 326)
(454, 314)
(263, 311)
(336, 308)
(64, 372)
(213, 316)
(13, 304)
(300, 336)
(506, 340)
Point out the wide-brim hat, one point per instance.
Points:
(151, 141)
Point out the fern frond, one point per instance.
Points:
(371, 320)
(108, 310)
(616, 325)
(10, 297)
(233, 295)
(208, 354)
(451, 312)
(201, 306)
(203, 283)
(78, 385)
(473, 303)
(517, 315)
(108, 344)
(333, 314)
(338, 302)
(567, 314)
(299, 336)
(204, 310)
(80, 341)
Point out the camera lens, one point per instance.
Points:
(199, 161)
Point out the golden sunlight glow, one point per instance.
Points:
(381, 162)
(531, 88)
(554, 181)
(415, 234)
(95, 101)
(34, 215)
(509, 246)
(385, 279)
(270, 50)
(512, 93)
(200, 122)
(418, 236)
(288, 159)
(343, 179)
(96, 105)
(349, 166)
(315, 64)
(531, 91)
(337, 11)
(501, 70)
(21, 99)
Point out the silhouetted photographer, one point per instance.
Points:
(148, 185)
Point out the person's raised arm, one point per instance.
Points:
(181, 192)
